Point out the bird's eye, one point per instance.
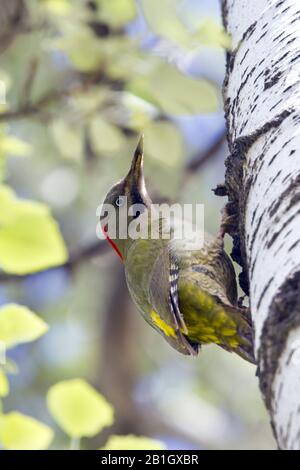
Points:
(120, 201)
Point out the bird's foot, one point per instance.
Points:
(241, 301)
(246, 314)
(228, 221)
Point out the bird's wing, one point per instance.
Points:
(163, 290)
(209, 316)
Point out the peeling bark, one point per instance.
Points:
(262, 107)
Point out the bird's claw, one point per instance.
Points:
(227, 222)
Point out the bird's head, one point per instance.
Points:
(125, 201)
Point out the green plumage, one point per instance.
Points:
(185, 289)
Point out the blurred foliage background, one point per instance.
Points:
(80, 80)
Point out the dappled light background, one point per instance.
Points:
(83, 80)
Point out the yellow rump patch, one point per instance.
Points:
(162, 325)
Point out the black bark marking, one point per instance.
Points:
(294, 245)
(260, 38)
(294, 20)
(252, 267)
(292, 191)
(249, 31)
(253, 215)
(256, 230)
(296, 119)
(276, 234)
(289, 88)
(279, 36)
(294, 200)
(276, 176)
(257, 77)
(271, 79)
(290, 41)
(244, 56)
(284, 39)
(295, 58)
(264, 291)
(276, 104)
(287, 177)
(274, 156)
(274, 208)
(279, 248)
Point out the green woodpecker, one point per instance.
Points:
(188, 295)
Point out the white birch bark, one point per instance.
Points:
(262, 106)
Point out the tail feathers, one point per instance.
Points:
(245, 347)
(244, 351)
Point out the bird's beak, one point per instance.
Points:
(136, 172)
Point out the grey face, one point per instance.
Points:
(129, 191)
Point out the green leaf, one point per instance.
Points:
(116, 12)
(124, 59)
(13, 146)
(105, 137)
(29, 237)
(211, 33)
(175, 93)
(163, 18)
(4, 384)
(132, 442)
(90, 101)
(78, 408)
(82, 47)
(18, 324)
(140, 112)
(58, 7)
(163, 142)
(21, 432)
(6, 80)
(164, 145)
(68, 138)
(2, 166)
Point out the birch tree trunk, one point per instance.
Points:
(262, 107)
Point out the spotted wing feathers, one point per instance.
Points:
(173, 296)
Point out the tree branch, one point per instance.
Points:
(55, 96)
